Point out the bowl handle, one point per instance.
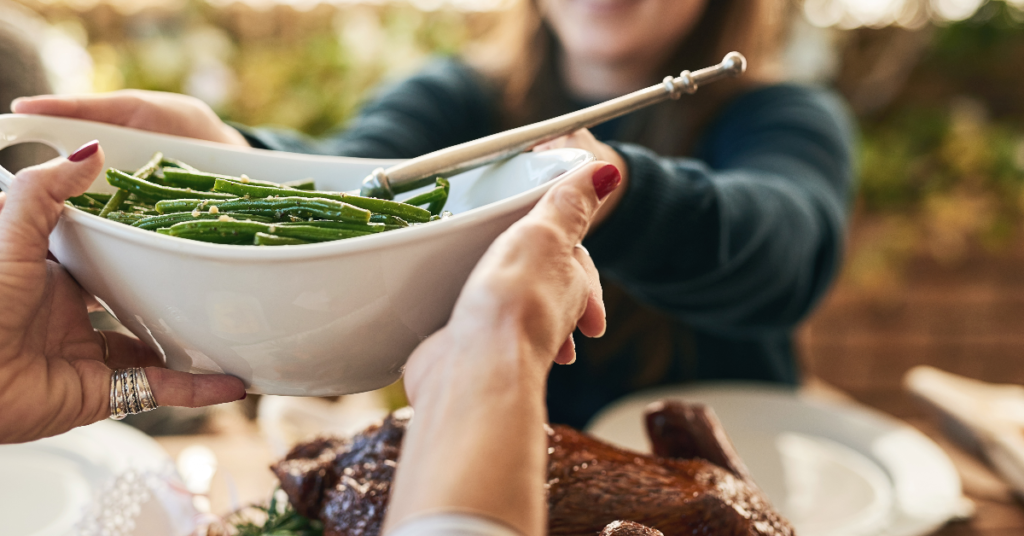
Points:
(5, 179)
(16, 129)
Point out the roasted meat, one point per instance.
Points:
(345, 483)
(693, 484)
(591, 483)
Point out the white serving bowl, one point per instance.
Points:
(312, 320)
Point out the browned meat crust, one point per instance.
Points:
(591, 484)
(345, 484)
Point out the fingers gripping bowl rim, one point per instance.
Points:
(319, 319)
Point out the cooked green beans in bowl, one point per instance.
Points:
(172, 198)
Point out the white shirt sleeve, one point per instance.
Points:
(453, 524)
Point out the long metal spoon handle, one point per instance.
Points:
(420, 171)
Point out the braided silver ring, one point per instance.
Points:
(130, 393)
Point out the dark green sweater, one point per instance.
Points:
(709, 262)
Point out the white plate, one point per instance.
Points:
(831, 469)
(57, 486)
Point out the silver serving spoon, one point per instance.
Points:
(421, 171)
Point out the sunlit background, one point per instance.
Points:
(935, 263)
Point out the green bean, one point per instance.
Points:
(183, 178)
(169, 206)
(164, 231)
(435, 199)
(141, 175)
(134, 185)
(217, 231)
(264, 239)
(147, 210)
(138, 198)
(127, 218)
(115, 202)
(299, 207)
(95, 211)
(424, 198)
(304, 184)
(330, 224)
(437, 205)
(381, 206)
(204, 181)
(100, 198)
(238, 232)
(87, 200)
(166, 220)
(172, 162)
(389, 220)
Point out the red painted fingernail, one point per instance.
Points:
(606, 179)
(85, 151)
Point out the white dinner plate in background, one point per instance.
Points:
(832, 469)
(58, 486)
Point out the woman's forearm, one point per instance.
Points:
(478, 444)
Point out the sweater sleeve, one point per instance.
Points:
(445, 104)
(744, 239)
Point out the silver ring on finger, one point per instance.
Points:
(580, 246)
(130, 393)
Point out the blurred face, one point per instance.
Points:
(617, 31)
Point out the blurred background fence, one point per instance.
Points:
(935, 268)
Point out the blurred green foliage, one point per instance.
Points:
(942, 168)
(307, 70)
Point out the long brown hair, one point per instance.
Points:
(522, 61)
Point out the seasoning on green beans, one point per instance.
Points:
(143, 174)
(294, 208)
(264, 239)
(382, 206)
(174, 199)
(153, 223)
(330, 224)
(127, 218)
(227, 230)
(133, 184)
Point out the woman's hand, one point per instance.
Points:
(583, 139)
(54, 369)
(477, 442)
(535, 284)
(166, 113)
